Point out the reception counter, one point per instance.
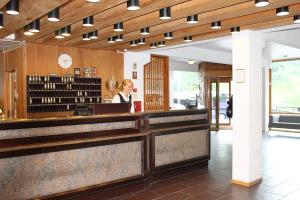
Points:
(69, 157)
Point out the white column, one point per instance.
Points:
(247, 107)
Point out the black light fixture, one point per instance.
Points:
(216, 25)
(12, 7)
(26, 31)
(153, 45)
(142, 41)
(145, 31)
(86, 37)
(168, 35)
(165, 13)
(133, 5)
(93, 35)
(111, 40)
(133, 43)
(66, 31)
(297, 19)
(58, 34)
(93, 1)
(118, 27)
(188, 38)
(53, 16)
(261, 3)
(1, 20)
(193, 19)
(35, 26)
(161, 44)
(282, 11)
(235, 29)
(119, 38)
(88, 21)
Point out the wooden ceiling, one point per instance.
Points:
(231, 13)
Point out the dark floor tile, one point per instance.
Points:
(175, 196)
(147, 195)
(165, 189)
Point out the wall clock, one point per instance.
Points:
(65, 60)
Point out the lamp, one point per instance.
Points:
(1, 20)
(86, 37)
(145, 31)
(282, 11)
(58, 34)
(153, 45)
(188, 38)
(193, 19)
(216, 25)
(235, 29)
(118, 27)
(12, 7)
(133, 5)
(93, 1)
(133, 43)
(88, 21)
(165, 13)
(35, 26)
(119, 38)
(261, 3)
(161, 44)
(168, 35)
(191, 62)
(66, 31)
(26, 31)
(142, 41)
(297, 19)
(53, 15)
(93, 35)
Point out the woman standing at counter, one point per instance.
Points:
(125, 95)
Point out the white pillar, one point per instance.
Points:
(247, 107)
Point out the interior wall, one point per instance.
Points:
(43, 60)
(2, 81)
(182, 66)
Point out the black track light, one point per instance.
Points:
(216, 25)
(93, 1)
(86, 37)
(188, 38)
(145, 31)
(1, 20)
(133, 43)
(111, 40)
(35, 26)
(119, 38)
(88, 21)
(297, 19)
(93, 35)
(235, 29)
(12, 7)
(282, 11)
(168, 35)
(26, 31)
(261, 3)
(161, 44)
(165, 13)
(66, 31)
(133, 5)
(58, 34)
(153, 45)
(53, 15)
(142, 41)
(118, 27)
(193, 19)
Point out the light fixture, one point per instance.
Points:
(58, 34)
(119, 38)
(297, 19)
(165, 13)
(93, 35)
(191, 62)
(145, 31)
(188, 38)
(1, 20)
(153, 45)
(161, 44)
(216, 25)
(26, 31)
(118, 27)
(88, 21)
(133, 5)
(93, 1)
(142, 41)
(261, 3)
(53, 15)
(66, 31)
(111, 40)
(133, 43)
(235, 29)
(35, 26)
(12, 7)
(168, 35)
(282, 11)
(193, 19)
(85, 37)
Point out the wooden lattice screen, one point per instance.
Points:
(156, 84)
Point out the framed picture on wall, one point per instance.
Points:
(77, 72)
(94, 71)
(134, 75)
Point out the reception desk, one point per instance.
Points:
(69, 157)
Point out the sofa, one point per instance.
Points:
(284, 121)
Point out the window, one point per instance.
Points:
(285, 86)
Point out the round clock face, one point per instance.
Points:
(65, 61)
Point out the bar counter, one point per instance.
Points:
(58, 158)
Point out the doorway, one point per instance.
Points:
(219, 94)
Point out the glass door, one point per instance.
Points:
(213, 104)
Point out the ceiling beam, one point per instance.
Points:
(3, 3)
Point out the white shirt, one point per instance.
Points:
(117, 99)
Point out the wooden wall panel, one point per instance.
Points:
(2, 88)
(42, 60)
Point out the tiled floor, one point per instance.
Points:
(281, 175)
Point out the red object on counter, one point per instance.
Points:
(137, 106)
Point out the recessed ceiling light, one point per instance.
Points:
(191, 62)
(53, 15)
(145, 31)
(193, 19)
(118, 27)
(88, 21)
(1, 20)
(297, 19)
(86, 37)
(282, 11)
(261, 3)
(133, 43)
(153, 45)
(12, 7)
(93, 35)
(35, 26)
(168, 35)
(235, 29)
(188, 38)
(216, 25)
(133, 5)
(165, 13)
(93, 1)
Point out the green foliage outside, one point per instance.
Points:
(185, 81)
(286, 86)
